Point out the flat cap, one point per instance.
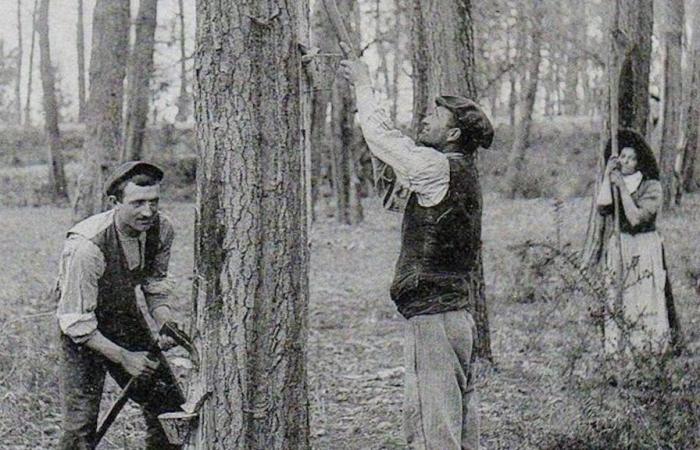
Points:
(130, 169)
(470, 115)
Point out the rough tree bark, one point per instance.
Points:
(18, 80)
(673, 25)
(57, 178)
(251, 280)
(521, 133)
(692, 133)
(139, 74)
(635, 22)
(397, 63)
(443, 63)
(103, 138)
(30, 74)
(183, 100)
(80, 47)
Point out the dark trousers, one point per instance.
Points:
(82, 376)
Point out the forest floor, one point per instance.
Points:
(355, 336)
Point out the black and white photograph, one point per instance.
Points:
(350, 224)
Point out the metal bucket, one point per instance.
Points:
(177, 425)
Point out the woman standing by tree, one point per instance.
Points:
(648, 320)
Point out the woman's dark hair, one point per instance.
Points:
(646, 161)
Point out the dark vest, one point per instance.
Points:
(439, 265)
(118, 315)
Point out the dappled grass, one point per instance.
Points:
(532, 397)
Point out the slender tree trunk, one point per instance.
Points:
(80, 33)
(443, 63)
(692, 134)
(57, 179)
(139, 75)
(673, 26)
(527, 104)
(30, 74)
(183, 100)
(345, 179)
(20, 54)
(397, 60)
(103, 138)
(635, 21)
(251, 242)
(323, 38)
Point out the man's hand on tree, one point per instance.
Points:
(138, 364)
(354, 70)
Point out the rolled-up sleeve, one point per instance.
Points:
(81, 268)
(422, 170)
(158, 287)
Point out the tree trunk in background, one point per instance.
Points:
(521, 133)
(183, 100)
(322, 37)
(30, 73)
(103, 137)
(342, 144)
(443, 63)
(251, 242)
(18, 80)
(692, 134)
(672, 41)
(576, 40)
(57, 179)
(636, 21)
(397, 63)
(80, 34)
(139, 75)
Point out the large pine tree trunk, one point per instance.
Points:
(57, 178)
(139, 77)
(635, 21)
(516, 164)
(673, 25)
(103, 139)
(251, 281)
(80, 47)
(443, 63)
(692, 133)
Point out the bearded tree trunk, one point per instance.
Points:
(80, 45)
(443, 63)
(251, 242)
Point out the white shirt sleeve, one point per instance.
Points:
(422, 170)
(82, 265)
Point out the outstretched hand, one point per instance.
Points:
(354, 70)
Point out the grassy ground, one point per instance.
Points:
(355, 340)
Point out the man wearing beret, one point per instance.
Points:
(437, 277)
(106, 258)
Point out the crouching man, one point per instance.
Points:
(107, 257)
(437, 275)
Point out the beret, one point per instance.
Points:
(130, 169)
(470, 116)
